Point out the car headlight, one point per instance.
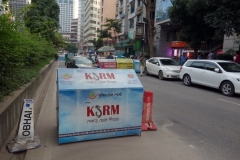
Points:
(167, 70)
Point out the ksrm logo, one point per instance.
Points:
(99, 76)
(102, 110)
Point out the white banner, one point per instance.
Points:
(26, 127)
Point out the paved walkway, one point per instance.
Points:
(151, 145)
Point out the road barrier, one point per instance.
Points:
(147, 122)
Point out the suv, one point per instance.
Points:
(220, 74)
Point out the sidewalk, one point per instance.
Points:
(151, 145)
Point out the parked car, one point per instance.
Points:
(219, 74)
(163, 67)
(81, 62)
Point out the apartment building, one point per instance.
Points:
(16, 5)
(91, 24)
(65, 17)
(74, 30)
(108, 10)
(81, 15)
(131, 14)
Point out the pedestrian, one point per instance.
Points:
(183, 59)
(179, 59)
(237, 57)
(210, 55)
(199, 56)
(142, 65)
(110, 56)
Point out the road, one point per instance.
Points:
(201, 116)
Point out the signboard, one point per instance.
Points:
(137, 44)
(95, 104)
(107, 63)
(124, 63)
(26, 127)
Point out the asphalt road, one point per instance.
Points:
(200, 116)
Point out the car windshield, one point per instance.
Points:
(229, 66)
(169, 62)
(83, 60)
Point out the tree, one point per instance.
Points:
(42, 17)
(114, 25)
(189, 14)
(71, 48)
(225, 16)
(97, 43)
(149, 5)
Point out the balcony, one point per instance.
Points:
(139, 9)
(120, 8)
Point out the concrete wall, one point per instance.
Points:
(229, 43)
(11, 107)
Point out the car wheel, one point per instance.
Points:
(227, 88)
(160, 75)
(187, 80)
(146, 71)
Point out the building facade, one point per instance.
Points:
(80, 35)
(65, 16)
(16, 5)
(132, 15)
(74, 30)
(108, 10)
(91, 24)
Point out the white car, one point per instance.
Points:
(163, 67)
(219, 74)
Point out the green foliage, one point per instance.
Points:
(20, 53)
(104, 34)
(42, 17)
(225, 57)
(113, 24)
(71, 48)
(97, 43)
(189, 14)
(18, 77)
(224, 16)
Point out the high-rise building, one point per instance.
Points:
(65, 16)
(91, 24)
(74, 30)
(15, 5)
(108, 10)
(81, 13)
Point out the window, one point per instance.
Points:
(139, 18)
(210, 66)
(121, 2)
(132, 7)
(198, 65)
(131, 23)
(139, 2)
(102, 2)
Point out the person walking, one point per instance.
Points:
(237, 57)
(210, 55)
(110, 56)
(142, 65)
(183, 59)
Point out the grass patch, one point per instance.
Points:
(19, 76)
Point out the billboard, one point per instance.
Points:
(97, 103)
